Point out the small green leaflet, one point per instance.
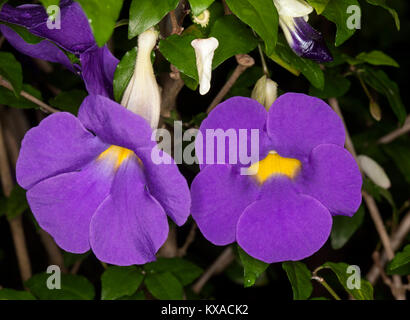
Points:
(197, 6)
(164, 286)
(383, 4)
(252, 268)
(377, 58)
(10, 69)
(300, 279)
(124, 72)
(118, 282)
(400, 263)
(318, 5)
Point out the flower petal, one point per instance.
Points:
(114, 124)
(332, 176)
(297, 123)
(235, 113)
(167, 185)
(44, 50)
(293, 8)
(130, 226)
(59, 144)
(98, 71)
(63, 205)
(219, 196)
(74, 35)
(283, 225)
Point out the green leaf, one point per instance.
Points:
(318, 5)
(335, 86)
(11, 294)
(102, 16)
(340, 269)
(164, 286)
(261, 16)
(184, 270)
(252, 268)
(10, 69)
(146, 13)
(382, 3)
(120, 281)
(69, 100)
(179, 52)
(47, 3)
(381, 82)
(8, 98)
(73, 287)
(377, 58)
(234, 38)
(124, 72)
(24, 33)
(300, 279)
(400, 154)
(14, 205)
(198, 6)
(71, 258)
(344, 228)
(336, 11)
(400, 263)
(285, 57)
(139, 295)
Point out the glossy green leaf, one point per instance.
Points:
(381, 82)
(139, 295)
(197, 6)
(102, 16)
(285, 57)
(11, 294)
(377, 58)
(73, 287)
(10, 69)
(8, 98)
(261, 16)
(341, 270)
(24, 33)
(179, 52)
(164, 286)
(120, 281)
(335, 86)
(383, 4)
(344, 227)
(234, 38)
(185, 271)
(300, 279)
(69, 100)
(318, 5)
(336, 11)
(252, 268)
(146, 13)
(124, 72)
(400, 263)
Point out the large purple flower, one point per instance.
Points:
(75, 36)
(92, 183)
(282, 210)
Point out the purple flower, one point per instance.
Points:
(75, 36)
(92, 183)
(283, 209)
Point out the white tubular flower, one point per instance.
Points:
(374, 171)
(293, 8)
(265, 92)
(142, 95)
(204, 52)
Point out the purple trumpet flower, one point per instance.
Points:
(91, 183)
(75, 36)
(282, 210)
(305, 41)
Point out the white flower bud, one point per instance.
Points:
(293, 8)
(142, 95)
(374, 171)
(202, 19)
(265, 92)
(204, 52)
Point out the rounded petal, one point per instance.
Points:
(233, 114)
(297, 123)
(219, 196)
(114, 124)
(167, 185)
(332, 176)
(63, 205)
(283, 225)
(130, 225)
(59, 144)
